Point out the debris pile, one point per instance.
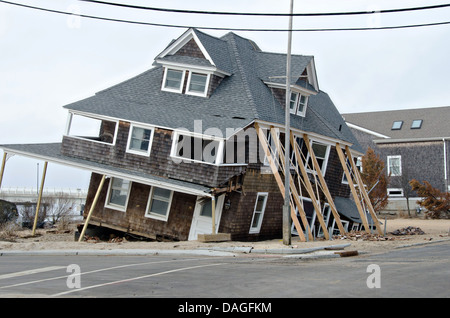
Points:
(363, 236)
(410, 230)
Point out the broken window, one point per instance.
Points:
(159, 202)
(91, 128)
(139, 140)
(118, 193)
(258, 212)
(197, 149)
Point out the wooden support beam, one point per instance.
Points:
(294, 192)
(38, 204)
(363, 190)
(274, 168)
(94, 203)
(324, 185)
(352, 187)
(2, 170)
(308, 186)
(213, 215)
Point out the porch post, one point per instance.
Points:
(38, 204)
(213, 214)
(94, 203)
(2, 170)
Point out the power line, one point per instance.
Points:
(266, 14)
(223, 28)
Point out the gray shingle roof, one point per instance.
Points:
(435, 122)
(240, 98)
(52, 152)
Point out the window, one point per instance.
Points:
(321, 151)
(297, 104)
(416, 124)
(118, 193)
(198, 149)
(394, 165)
(395, 192)
(173, 80)
(197, 84)
(91, 128)
(397, 125)
(140, 140)
(159, 202)
(258, 212)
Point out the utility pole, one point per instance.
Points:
(287, 133)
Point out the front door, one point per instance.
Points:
(202, 219)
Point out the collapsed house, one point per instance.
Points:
(200, 136)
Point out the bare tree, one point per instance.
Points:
(59, 207)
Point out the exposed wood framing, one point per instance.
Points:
(358, 201)
(322, 181)
(38, 205)
(264, 144)
(294, 194)
(363, 190)
(94, 203)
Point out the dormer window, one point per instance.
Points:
(298, 103)
(197, 84)
(173, 80)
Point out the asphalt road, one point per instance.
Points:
(420, 272)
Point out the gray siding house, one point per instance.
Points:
(414, 144)
(195, 144)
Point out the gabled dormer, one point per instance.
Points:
(194, 64)
(303, 82)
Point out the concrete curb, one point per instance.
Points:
(123, 252)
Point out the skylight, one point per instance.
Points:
(416, 124)
(397, 125)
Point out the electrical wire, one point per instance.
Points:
(224, 28)
(266, 14)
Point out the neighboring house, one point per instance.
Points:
(413, 143)
(202, 134)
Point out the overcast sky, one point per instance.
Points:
(48, 60)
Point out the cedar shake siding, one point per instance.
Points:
(134, 220)
(159, 163)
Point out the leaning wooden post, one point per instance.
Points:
(3, 168)
(363, 191)
(38, 204)
(213, 214)
(352, 187)
(94, 203)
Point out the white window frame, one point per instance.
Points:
(389, 158)
(170, 89)
(137, 152)
(390, 190)
(158, 216)
(298, 97)
(195, 93)
(325, 160)
(257, 228)
(173, 152)
(88, 116)
(114, 206)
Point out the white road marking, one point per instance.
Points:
(134, 278)
(31, 271)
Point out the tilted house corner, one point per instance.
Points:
(201, 134)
